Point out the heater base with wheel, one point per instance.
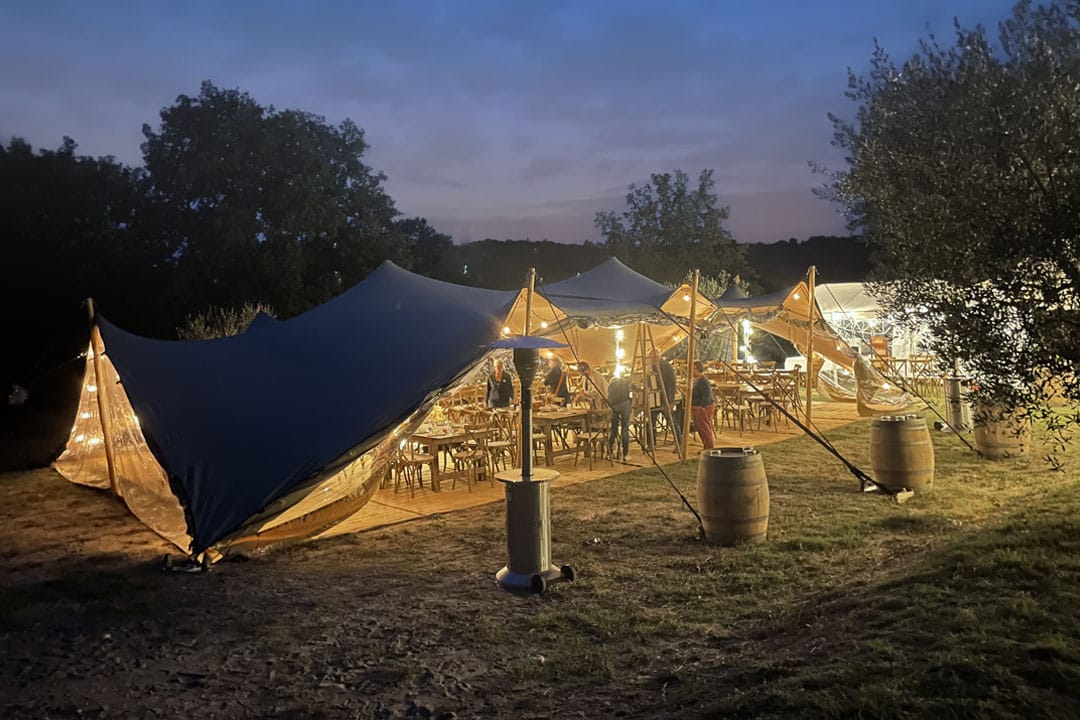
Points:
(528, 532)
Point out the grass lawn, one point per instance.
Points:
(959, 603)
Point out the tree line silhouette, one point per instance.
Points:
(237, 203)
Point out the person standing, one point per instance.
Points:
(618, 396)
(593, 388)
(556, 381)
(500, 388)
(702, 406)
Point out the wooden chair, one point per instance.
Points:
(502, 445)
(592, 438)
(471, 459)
(734, 409)
(407, 464)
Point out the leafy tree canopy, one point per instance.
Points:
(670, 227)
(261, 204)
(965, 179)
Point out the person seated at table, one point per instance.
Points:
(593, 387)
(500, 389)
(702, 406)
(618, 395)
(557, 383)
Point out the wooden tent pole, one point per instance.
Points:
(811, 281)
(529, 300)
(689, 393)
(97, 348)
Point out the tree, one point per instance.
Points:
(669, 228)
(264, 205)
(69, 233)
(422, 247)
(965, 179)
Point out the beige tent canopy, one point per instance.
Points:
(606, 309)
(786, 314)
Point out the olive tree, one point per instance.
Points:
(964, 177)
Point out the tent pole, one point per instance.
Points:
(811, 281)
(689, 393)
(524, 445)
(529, 300)
(97, 348)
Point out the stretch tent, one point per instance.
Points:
(786, 314)
(281, 432)
(589, 311)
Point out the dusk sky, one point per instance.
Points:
(491, 119)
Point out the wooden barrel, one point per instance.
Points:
(1000, 435)
(733, 495)
(901, 453)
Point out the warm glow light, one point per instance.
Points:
(94, 441)
(620, 353)
(884, 386)
(91, 388)
(619, 334)
(80, 438)
(506, 331)
(135, 418)
(84, 415)
(686, 298)
(549, 354)
(796, 296)
(543, 324)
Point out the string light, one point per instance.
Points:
(91, 388)
(80, 438)
(619, 335)
(94, 441)
(686, 298)
(85, 415)
(619, 353)
(796, 296)
(543, 324)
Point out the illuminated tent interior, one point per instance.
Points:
(281, 432)
(786, 314)
(588, 311)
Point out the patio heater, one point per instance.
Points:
(528, 490)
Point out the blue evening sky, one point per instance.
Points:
(491, 119)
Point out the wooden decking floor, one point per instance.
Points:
(388, 507)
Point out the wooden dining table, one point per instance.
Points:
(550, 421)
(438, 439)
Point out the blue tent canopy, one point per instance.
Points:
(238, 422)
(609, 289)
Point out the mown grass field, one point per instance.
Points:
(964, 602)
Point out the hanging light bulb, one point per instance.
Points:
(796, 296)
(506, 331)
(543, 324)
(686, 298)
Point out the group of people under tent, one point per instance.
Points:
(598, 391)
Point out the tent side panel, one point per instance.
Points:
(140, 479)
(83, 458)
